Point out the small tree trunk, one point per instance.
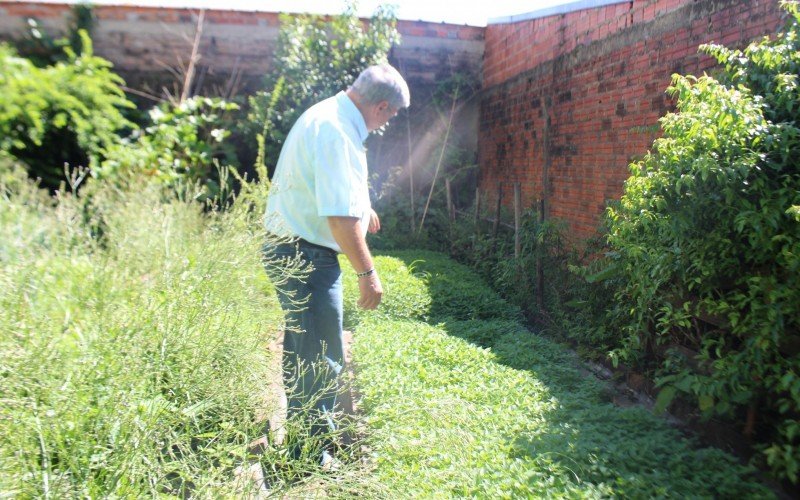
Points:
(517, 220)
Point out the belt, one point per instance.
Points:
(314, 245)
(300, 241)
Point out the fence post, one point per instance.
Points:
(496, 226)
(477, 204)
(517, 220)
(539, 269)
(451, 209)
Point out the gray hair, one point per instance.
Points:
(382, 83)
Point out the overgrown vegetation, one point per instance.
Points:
(69, 112)
(316, 57)
(412, 198)
(707, 241)
(460, 404)
(132, 365)
(187, 143)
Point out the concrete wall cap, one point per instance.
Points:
(555, 10)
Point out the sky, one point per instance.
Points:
(472, 12)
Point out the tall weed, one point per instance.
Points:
(133, 364)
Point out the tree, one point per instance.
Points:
(315, 58)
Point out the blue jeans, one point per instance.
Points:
(313, 354)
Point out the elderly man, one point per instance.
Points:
(319, 202)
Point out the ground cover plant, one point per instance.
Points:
(459, 405)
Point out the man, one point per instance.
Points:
(319, 203)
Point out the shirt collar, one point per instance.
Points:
(354, 115)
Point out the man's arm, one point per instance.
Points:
(347, 233)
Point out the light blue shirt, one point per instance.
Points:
(321, 172)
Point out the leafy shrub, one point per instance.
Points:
(69, 112)
(708, 243)
(185, 144)
(316, 57)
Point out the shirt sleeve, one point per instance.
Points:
(334, 182)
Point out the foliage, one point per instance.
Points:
(186, 143)
(575, 295)
(485, 408)
(405, 294)
(457, 292)
(130, 368)
(708, 248)
(452, 157)
(316, 57)
(394, 207)
(44, 50)
(66, 113)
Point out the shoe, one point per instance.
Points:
(258, 446)
(328, 462)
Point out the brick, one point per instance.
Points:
(593, 133)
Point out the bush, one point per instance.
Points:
(185, 144)
(708, 243)
(316, 57)
(69, 112)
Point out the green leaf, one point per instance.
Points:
(665, 397)
(706, 402)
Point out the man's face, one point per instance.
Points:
(380, 114)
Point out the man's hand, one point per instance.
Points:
(371, 291)
(374, 222)
(348, 234)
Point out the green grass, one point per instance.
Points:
(131, 364)
(471, 403)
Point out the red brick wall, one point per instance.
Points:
(569, 100)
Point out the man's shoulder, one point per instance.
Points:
(326, 108)
(325, 119)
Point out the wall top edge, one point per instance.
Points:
(554, 11)
(188, 7)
